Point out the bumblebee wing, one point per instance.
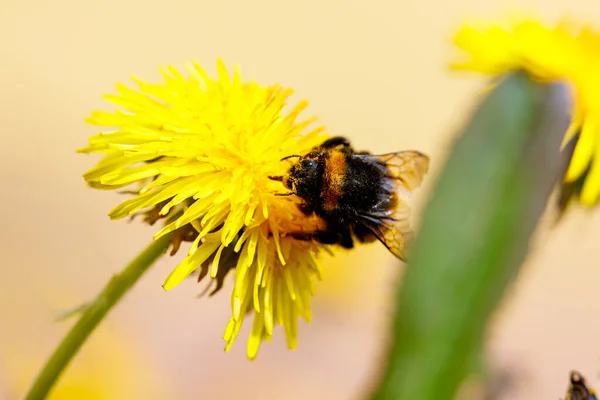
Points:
(390, 228)
(389, 222)
(406, 167)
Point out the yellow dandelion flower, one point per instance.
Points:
(202, 150)
(212, 158)
(566, 52)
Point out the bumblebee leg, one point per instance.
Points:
(346, 240)
(306, 208)
(326, 237)
(363, 234)
(335, 142)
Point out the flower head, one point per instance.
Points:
(201, 151)
(565, 52)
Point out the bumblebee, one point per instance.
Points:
(359, 196)
(578, 390)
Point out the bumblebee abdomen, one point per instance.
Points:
(365, 186)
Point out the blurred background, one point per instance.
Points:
(373, 71)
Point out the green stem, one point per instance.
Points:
(92, 315)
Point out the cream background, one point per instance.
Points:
(374, 71)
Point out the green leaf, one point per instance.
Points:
(65, 315)
(474, 236)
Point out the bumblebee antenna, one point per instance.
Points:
(278, 178)
(292, 156)
(285, 194)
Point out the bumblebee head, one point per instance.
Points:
(305, 178)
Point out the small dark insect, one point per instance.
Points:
(359, 196)
(578, 390)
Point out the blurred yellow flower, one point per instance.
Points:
(111, 367)
(201, 151)
(566, 52)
